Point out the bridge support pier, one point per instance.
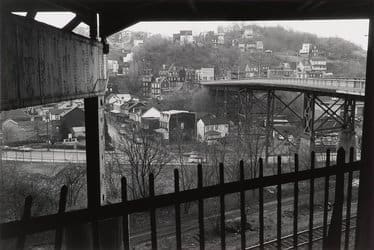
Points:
(269, 124)
(347, 135)
(307, 140)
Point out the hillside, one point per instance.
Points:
(344, 59)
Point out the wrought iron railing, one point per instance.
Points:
(329, 232)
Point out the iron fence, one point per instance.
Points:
(330, 232)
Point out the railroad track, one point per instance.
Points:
(302, 237)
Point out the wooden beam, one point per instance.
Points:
(365, 239)
(31, 14)
(72, 24)
(94, 122)
(43, 64)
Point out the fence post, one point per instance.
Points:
(26, 216)
(61, 211)
(296, 205)
(261, 206)
(201, 207)
(279, 205)
(125, 217)
(222, 207)
(326, 201)
(153, 212)
(243, 219)
(333, 240)
(177, 213)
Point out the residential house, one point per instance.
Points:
(221, 38)
(283, 70)
(318, 67)
(177, 125)
(114, 101)
(235, 43)
(156, 88)
(250, 47)
(259, 45)
(248, 33)
(134, 110)
(128, 58)
(251, 70)
(14, 132)
(305, 50)
(186, 37)
(190, 75)
(112, 67)
(69, 119)
(242, 47)
(138, 42)
(303, 68)
(146, 82)
(205, 74)
(176, 38)
(150, 119)
(209, 129)
(126, 69)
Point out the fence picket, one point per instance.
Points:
(296, 204)
(26, 216)
(222, 208)
(261, 206)
(243, 218)
(311, 200)
(279, 206)
(326, 201)
(177, 213)
(153, 212)
(61, 211)
(349, 202)
(201, 208)
(125, 217)
(335, 228)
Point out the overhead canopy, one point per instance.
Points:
(119, 14)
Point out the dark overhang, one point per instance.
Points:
(116, 15)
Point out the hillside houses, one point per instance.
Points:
(210, 129)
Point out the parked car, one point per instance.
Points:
(24, 149)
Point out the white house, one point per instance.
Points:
(305, 50)
(210, 129)
(128, 58)
(119, 98)
(113, 66)
(186, 37)
(138, 42)
(259, 45)
(205, 74)
(151, 113)
(248, 34)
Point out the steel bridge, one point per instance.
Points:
(290, 115)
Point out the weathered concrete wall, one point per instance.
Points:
(42, 64)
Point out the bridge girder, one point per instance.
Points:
(247, 105)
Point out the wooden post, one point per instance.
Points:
(365, 239)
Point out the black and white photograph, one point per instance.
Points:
(186, 124)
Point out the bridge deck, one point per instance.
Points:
(354, 88)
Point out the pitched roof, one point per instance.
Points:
(214, 121)
(15, 115)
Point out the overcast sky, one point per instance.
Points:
(351, 30)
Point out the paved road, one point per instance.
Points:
(43, 155)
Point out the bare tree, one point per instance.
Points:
(73, 176)
(145, 154)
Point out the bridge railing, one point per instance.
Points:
(346, 84)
